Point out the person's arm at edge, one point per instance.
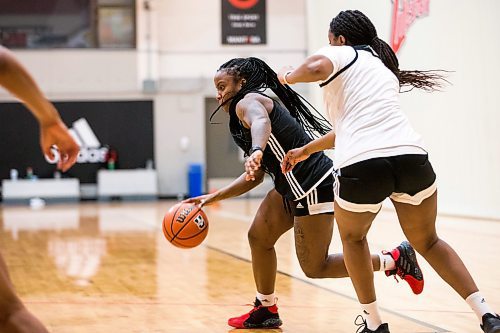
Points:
(16, 79)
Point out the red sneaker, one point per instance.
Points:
(407, 267)
(259, 317)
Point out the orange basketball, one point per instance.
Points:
(185, 225)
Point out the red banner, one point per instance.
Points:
(404, 13)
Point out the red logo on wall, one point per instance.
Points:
(404, 13)
(243, 4)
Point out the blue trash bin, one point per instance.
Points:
(195, 180)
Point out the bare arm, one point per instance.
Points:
(252, 111)
(255, 116)
(297, 155)
(327, 141)
(314, 68)
(16, 79)
(238, 187)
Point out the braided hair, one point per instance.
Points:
(259, 77)
(357, 29)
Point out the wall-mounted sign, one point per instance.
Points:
(404, 13)
(243, 22)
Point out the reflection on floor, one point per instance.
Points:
(105, 267)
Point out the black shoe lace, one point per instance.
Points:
(401, 273)
(403, 266)
(255, 307)
(362, 325)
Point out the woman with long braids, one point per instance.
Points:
(303, 199)
(378, 155)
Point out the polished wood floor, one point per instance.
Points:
(106, 267)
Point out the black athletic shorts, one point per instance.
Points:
(363, 186)
(317, 201)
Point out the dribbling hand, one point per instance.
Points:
(202, 200)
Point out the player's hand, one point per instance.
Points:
(293, 157)
(56, 134)
(252, 164)
(202, 200)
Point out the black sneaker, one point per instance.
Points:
(407, 267)
(491, 323)
(259, 317)
(363, 328)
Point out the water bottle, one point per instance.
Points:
(14, 174)
(195, 180)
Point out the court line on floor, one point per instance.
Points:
(436, 329)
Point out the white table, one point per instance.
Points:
(66, 189)
(137, 183)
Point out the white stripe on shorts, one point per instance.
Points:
(416, 199)
(320, 208)
(357, 208)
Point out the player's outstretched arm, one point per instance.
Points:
(237, 187)
(16, 79)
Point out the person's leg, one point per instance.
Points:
(353, 228)
(313, 227)
(360, 189)
(313, 234)
(419, 225)
(14, 317)
(271, 221)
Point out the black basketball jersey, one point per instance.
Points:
(286, 134)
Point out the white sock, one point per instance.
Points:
(478, 304)
(386, 262)
(372, 316)
(266, 300)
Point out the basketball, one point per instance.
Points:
(185, 225)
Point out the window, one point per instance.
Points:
(67, 23)
(115, 24)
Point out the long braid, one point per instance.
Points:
(357, 29)
(259, 77)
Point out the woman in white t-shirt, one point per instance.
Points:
(378, 155)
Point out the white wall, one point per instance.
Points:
(459, 125)
(73, 73)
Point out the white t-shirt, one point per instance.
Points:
(363, 106)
